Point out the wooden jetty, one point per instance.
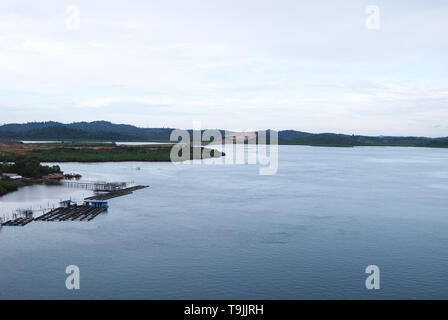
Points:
(117, 193)
(97, 186)
(73, 213)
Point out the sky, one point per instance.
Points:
(316, 66)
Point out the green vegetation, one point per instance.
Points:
(291, 137)
(119, 153)
(341, 140)
(28, 167)
(82, 131)
(25, 166)
(7, 186)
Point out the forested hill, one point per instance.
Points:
(342, 140)
(86, 131)
(107, 131)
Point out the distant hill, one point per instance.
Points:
(107, 131)
(342, 140)
(88, 131)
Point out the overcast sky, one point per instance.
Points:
(238, 64)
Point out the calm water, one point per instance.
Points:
(217, 232)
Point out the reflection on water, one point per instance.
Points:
(224, 231)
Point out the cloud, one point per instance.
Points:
(54, 49)
(284, 64)
(98, 102)
(10, 64)
(126, 25)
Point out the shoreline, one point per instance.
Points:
(26, 182)
(153, 143)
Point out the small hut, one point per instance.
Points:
(68, 204)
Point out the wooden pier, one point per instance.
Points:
(96, 186)
(74, 213)
(115, 194)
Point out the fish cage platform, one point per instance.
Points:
(19, 222)
(73, 213)
(116, 194)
